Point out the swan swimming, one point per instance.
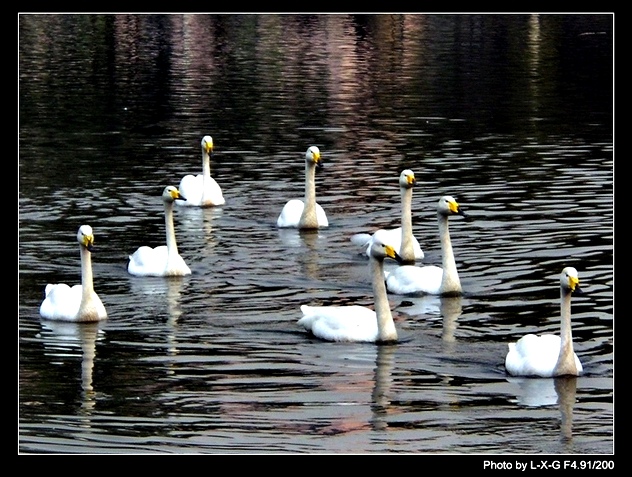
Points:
(431, 279)
(306, 214)
(355, 322)
(202, 190)
(549, 355)
(79, 302)
(402, 238)
(163, 260)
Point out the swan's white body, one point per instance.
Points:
(401, 238)
(430, 279)
(79, 302)
(163, 260)
(307, 214)
(357, 323)
(202, 190)
(548, 355)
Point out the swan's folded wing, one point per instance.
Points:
(533, 355)
(212, 193)
(408, 279)
(61, 302)
(361, 240)
(291, 213)
(147, 261)
(340, 323)
(191, 187)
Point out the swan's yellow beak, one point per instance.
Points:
(88, 242)
(573, 283)
(317, 160)
(410, 178)
(391, 253)
(175, 194)
(208, 146)
(455, 208)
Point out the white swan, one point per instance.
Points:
(431, 279)
(402, 238)
(163, 260)
(307, 214)
(80, 302)
(202, 190)
(548, 355)
(357, 323)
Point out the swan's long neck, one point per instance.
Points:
(87, 310)
(308, 217)
(206, 175)
(206, 165)
(407, 251)
(385, 325)
(566, 360)
(172, 246)
(87, 286)
(450, 283)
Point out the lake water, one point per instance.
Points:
(511, 114)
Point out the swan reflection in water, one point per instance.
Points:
(448, 307)
(198, 223)
(148, 289)
(169, 289)
(381, 396)
(306, 243)
(366, 392)
(561, 391)
(62, 340)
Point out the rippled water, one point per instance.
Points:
(503, 112)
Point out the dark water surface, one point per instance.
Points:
(511, 114)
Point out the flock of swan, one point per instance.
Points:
(534, 356)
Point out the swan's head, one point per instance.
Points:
(312, 156)
(207, 144)
(449, 206)
(171, 193)
(569, 279)
(85, 237)
(381, 250)
(407, 179)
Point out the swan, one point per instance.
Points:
(431, 279)
(354, 322)
(202, 190)
(401, 238)
(307, 214)
(548, 355)
(163, 260)
(80, 302)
